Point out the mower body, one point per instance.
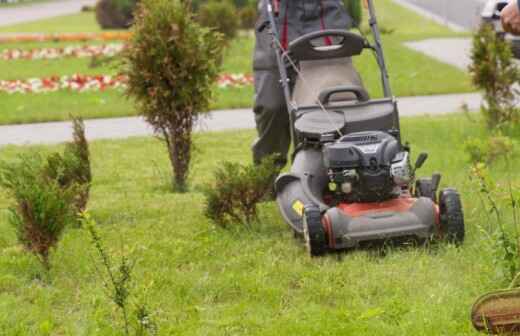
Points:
(351, 180)
(347, 223)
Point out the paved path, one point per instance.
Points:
(39, 11)
(117, 128)
(457, 14)
(454, 51)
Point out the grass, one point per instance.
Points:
(75, 23)
(202, 280)
(412, 73)
(22, 3)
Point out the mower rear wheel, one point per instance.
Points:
(451, 216)
(313, 231)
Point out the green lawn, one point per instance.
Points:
(203, 280)
(412, 73)
(22, 3)
(75, 23)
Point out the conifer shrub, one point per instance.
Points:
(355, 9)
(117, 278)
(488, 150)
(220, 15)
(47, 193)
(172, 63)
(41, 208)
(73, 166)
(115, 14)
(237, 190)
(248, 16)
(493, 70)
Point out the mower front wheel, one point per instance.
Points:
(451, 217)
(313, 231)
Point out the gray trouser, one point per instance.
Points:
(297, 17)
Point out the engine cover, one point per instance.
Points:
(361, 165)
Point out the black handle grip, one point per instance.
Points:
(360, 93)
(350, 45)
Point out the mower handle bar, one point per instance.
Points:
(350, 45)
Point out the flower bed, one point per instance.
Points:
(107, 50)
(83, 83)
(78, 37)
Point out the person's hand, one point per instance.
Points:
(510, 17)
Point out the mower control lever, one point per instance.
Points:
(421, 159)
(436, 181)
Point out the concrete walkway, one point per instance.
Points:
(39, 11)
(456, 14)
(117, 128)
(454, 51)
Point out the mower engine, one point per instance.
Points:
(367, 167)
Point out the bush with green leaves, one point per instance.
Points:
(42, 207)
(502, 231)
(355, 10)
(172, 63)
(73, 166)
(488, 150)
(115, 14)
(220, 15)
(248, 16)
(237, 190)
(137, 319)
(47, 193)
(494, 71)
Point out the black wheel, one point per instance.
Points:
(313, 232)
(452, 216)
(424, 188)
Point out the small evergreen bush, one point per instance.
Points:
(172, 63)
(248, 16)
(488, 150)
(115, 14)
(220, 15)
(355, 10)
(42, 207)
(493, 70)
(502, 231)
(48, 193)
(237, 190)
(73, 167)
(137, 319)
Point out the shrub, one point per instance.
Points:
(237, 190)
(48, 192)
(172, 63)
(115, 14)
(501, 232)
(221, 16)
(42, 207)
(73, 167)
(488, 150)
(355, 9)
(494, 71)
(117, 281)
(248, 16)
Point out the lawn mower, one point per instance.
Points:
(351, 179)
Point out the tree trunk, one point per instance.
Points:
(179, 149)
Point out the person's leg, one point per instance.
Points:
(271, 116)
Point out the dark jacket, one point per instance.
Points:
(297, 18)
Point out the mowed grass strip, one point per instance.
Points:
(203, 280)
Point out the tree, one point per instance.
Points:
(172, 63)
